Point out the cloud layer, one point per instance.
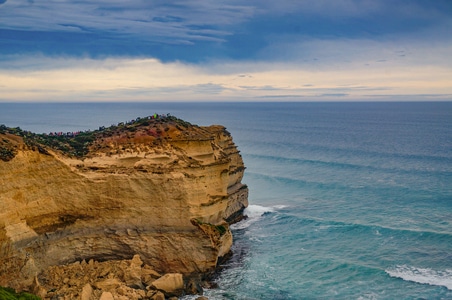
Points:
(195, 30)
(136, 79)
(140, 50)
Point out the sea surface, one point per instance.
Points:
(347, 200)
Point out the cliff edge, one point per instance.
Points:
(156, 189)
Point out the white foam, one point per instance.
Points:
(254, 212)
(421, 275)
(279, 206)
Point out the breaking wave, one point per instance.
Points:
(254, 213)
(422, 275)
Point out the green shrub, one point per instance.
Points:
(6, 154)
(10, 294)
(221, 229)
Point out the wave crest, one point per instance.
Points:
(422, 275)
(254, 213)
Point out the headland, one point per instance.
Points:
(138, 210)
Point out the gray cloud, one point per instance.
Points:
(260, 88)
(309, 34)
(333, 95)
(160, 21)
(199, 89)
(208, 88)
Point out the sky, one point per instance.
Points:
(225, 50)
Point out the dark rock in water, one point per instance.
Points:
(193, 287)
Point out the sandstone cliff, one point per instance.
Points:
(160, 188)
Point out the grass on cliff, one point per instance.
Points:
(10, 294)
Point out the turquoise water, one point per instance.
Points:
(348, 200)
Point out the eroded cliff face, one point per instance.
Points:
(163, 189)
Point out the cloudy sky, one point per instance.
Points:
(225, 50)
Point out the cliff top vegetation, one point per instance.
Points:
(79, 144)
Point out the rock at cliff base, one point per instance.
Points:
(37, 289)
(132, 276)
(194, 287)
(149, 275)
(29, 269)
(170, 284)
(106, 296)
(156, 295)
(108, 284)
(87, 292)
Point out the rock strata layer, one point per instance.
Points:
(159, 191)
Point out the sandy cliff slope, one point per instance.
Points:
(160, 188)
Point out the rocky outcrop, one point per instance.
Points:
(162, 189)
(94, 280)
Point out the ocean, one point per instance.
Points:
(347, 200)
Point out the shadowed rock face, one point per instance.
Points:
(163, 189)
